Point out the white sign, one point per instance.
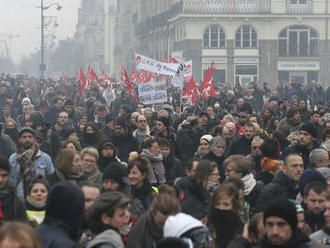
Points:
(298, 65)
(149, 64)
(150, 93)
(215, 60)
(246, 60)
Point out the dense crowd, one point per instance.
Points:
(246, 168)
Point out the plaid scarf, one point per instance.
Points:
(26, 160)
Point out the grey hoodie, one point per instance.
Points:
(110, 237)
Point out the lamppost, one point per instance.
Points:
(42, 66)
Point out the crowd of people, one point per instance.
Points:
(245, 168)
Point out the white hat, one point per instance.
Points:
(179, 224)
(207, 137)
(26, 99)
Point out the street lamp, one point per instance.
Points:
(42, 66)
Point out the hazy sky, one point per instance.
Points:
(22, 17)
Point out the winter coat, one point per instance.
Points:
(145, 233)
(188, 142)
(281, 187)
(156, 171)
(12, 207)
(42, 165)
(172, 168)
(144, 195)
(7, 145)
(194, 199)
(219, 160)
(240, 242)
(107, 239)
(125, 144)
(95, 178)
(241, 146)
(321, 237)
(288, 126)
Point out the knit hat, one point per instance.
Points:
(308, 176)
(179, 224)
(115, 172)
(207, 137)
(105, 144)
(284, 209)
(324, 171)
(309, 128)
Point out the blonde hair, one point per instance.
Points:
(90, 151)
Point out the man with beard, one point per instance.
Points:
(292, 122)
(322, 237)
(28, 161)
(7, 146)
(307, 138)
(280, 220)
(314, 204)
(124, 141)
(243, 145)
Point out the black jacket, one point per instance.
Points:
(241, 146)
(281, 186)
(12, 207)
(194, 199)
(188, 142)
(125, 145)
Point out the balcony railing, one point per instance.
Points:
(226, 6)
(299, 7)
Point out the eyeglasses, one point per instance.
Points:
(89, 161)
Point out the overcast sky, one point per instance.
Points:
(22, 17)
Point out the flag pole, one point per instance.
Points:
(181, 101)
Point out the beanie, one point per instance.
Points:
(309, 128)
(308, 176)
(114, 171)
(284, 209)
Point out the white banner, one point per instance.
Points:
(149, 64)
(150, 93)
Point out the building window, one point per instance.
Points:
(214, 37)
(246, 37)
(298, 40)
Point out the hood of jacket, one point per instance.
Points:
(107, 237)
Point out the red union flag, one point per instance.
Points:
(106, 79)
(83, 82)
(128, 83)
(191, 91)
(92, 75)
(208, 86)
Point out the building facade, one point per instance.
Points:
(248, 40)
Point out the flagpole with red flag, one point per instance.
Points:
(128, 83)
(83, 82)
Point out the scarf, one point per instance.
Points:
(249, 183)
(26, 160)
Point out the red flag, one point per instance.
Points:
(191, 91)
(106, 79)
(208, 86)
(173, 60)
(128, 83)
(134, 76)
(92, 75)
(83, 82)
(213, 69)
